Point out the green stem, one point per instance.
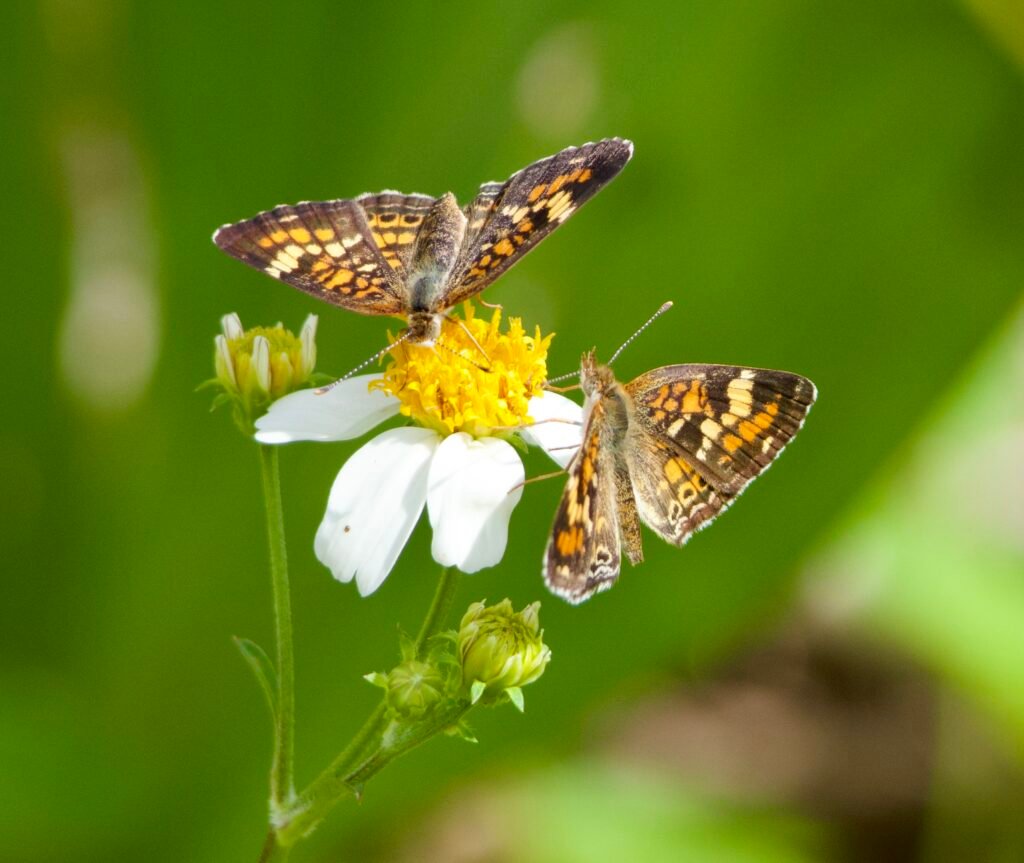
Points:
(331, 786)
(371, 749)
(282, 788)
(444, 595)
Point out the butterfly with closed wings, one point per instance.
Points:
(416, 256)
(672, 448)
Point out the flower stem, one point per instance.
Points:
(282, 789)
(439, 607)
(332, 785)
(374, 746)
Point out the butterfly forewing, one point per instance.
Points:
(728, 422)
(505, 221)
(583, 555)
(324, 248)
(394, 220)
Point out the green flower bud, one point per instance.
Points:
(500, 650)
(413, 687)
(255, 367)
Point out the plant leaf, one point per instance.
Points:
(263, 668)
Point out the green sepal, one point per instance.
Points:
(406, 647)
(515, 695)
(320, 379)
(376, 678)
(263, 668)
(219, 400)
(462, 731)
(515, 441)
(476, 691)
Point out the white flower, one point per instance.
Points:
(469, 485)
(465, 397)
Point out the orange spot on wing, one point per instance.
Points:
(557, 183)
(585, 175)
(748, 430)
(265, 242)
(279, 236)
(504, 247)
(732, 443)
(341, 277)
(695, 399)
(569, 541)
(535, 193)
(300, 235)
(324, 234)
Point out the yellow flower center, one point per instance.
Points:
(452, 387)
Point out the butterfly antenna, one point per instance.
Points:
(564, 377)
(321, 390)
(665, 307)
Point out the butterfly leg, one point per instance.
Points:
(542, 476)
(488, 305)
(524, 426)
(472, 338)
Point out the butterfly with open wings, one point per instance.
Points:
(415, 256)
(672, 448)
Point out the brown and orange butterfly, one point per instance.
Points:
(415, 256)
(672, 448)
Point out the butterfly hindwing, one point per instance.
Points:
(672, 497)
(506, 220)
(583, 555)
(728, 422)
(324, 248)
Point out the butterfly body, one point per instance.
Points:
(672, 448)
(416, 256)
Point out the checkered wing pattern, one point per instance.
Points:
(672, 498)
(726, 424)
(584, 553)
(394, 221)
(506, 220)
(327, 249)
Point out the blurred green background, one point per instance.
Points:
(835, 671)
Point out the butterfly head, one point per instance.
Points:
(424, 328)
(595, 379)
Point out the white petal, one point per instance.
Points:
(224, 365)
(374, 505)
(261, 362)
(231, 326)
(560, 440)
(470, 499)
(345, 411)
(307, 337)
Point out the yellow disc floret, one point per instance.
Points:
(452, 387)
